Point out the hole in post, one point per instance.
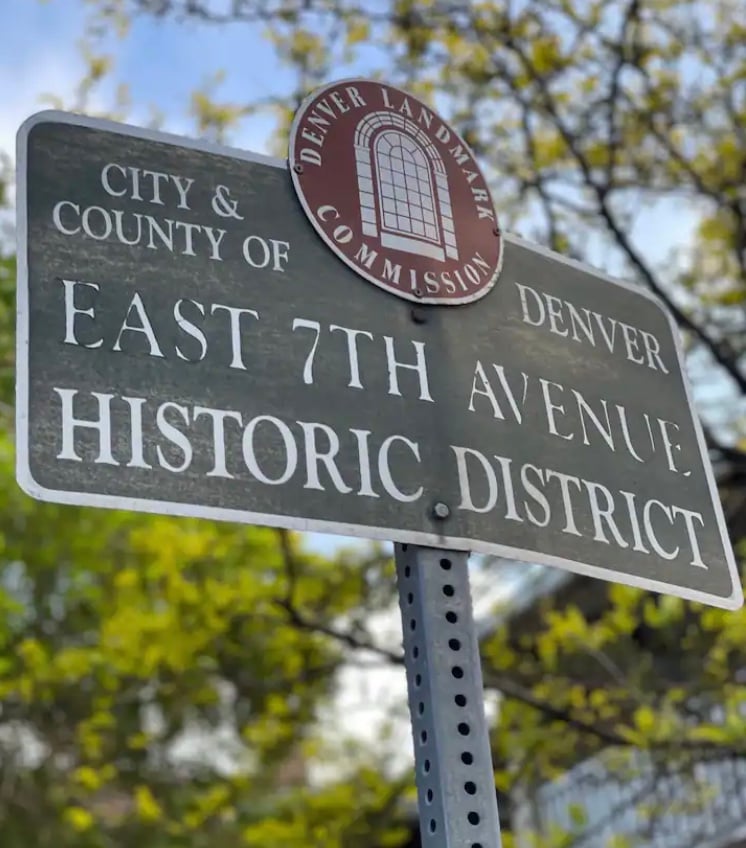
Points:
(460, 700)
(404, 547)
(454, 644)
(466, 758)
(423, 737)
(410, 598)
(407, 571)
(426, 767)
(476, 845)
(457, 672)
(415, 652)
(433, 825)
(470, 787)
(451, 617)
(448, 590)
(445, 564)
(418, 680)
(464, 730)
(473, 818)
(421, 708)
(429, 796)
(413, 624)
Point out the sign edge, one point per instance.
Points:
(373, 533)
(58, 116)
(737, 594)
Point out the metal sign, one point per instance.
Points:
(187, 344)
(395, 192)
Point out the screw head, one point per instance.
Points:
(298, 168)
(418, 316)
(441, 510)
(496, 231)
(418, 292)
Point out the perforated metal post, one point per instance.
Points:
(453, 762)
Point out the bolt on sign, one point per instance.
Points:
(201, 333)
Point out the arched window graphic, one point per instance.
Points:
(404, 197)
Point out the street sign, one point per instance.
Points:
(188, 344)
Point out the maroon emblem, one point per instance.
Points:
(395, 192)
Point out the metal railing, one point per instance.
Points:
(629, 796)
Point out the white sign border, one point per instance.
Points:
(23, 473)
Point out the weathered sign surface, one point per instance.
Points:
(188, 344)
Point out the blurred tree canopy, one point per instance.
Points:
(125, 635)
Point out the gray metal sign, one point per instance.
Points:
(187, 344)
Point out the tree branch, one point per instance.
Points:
(721, 350)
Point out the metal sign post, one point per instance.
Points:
(453, 763)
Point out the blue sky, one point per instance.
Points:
(161, 62)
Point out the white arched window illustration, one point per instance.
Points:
(404, 197)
